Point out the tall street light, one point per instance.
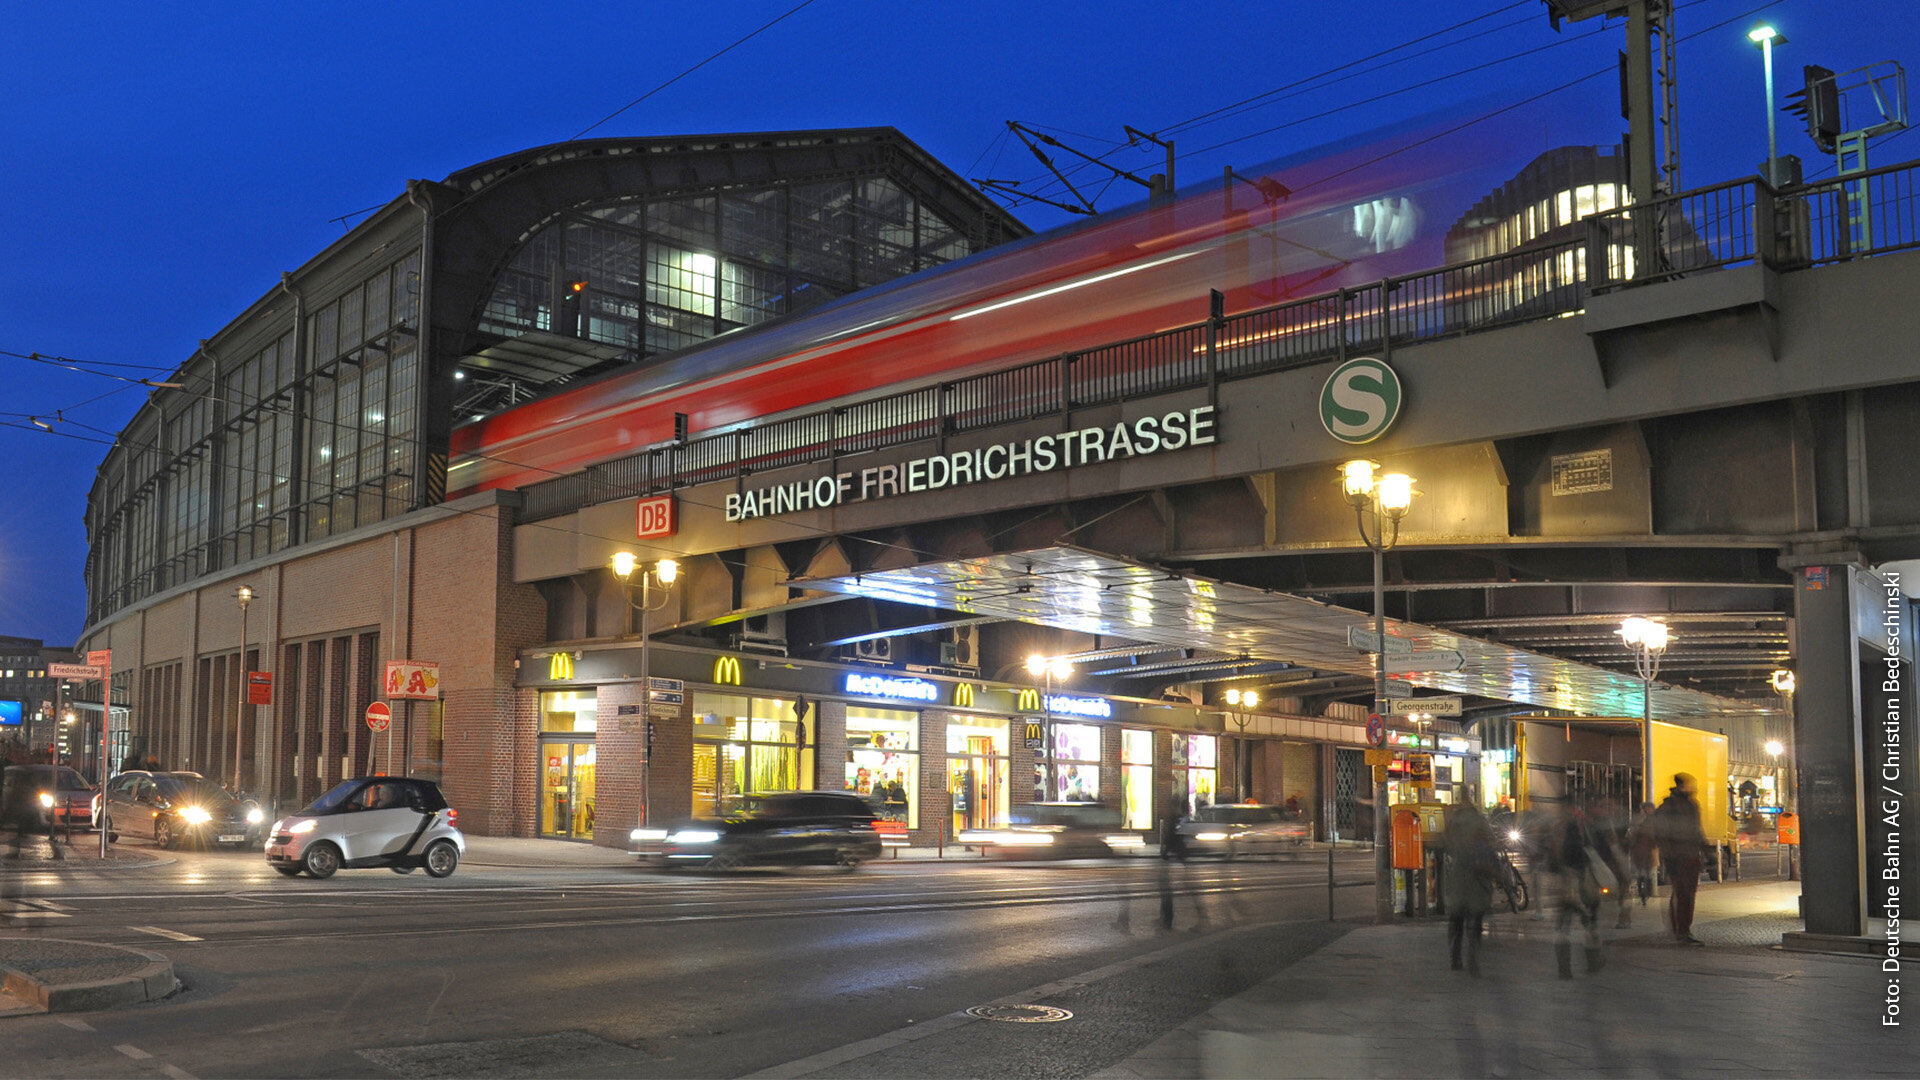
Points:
(1386, 500)
(1647, 639)
(1764, 35)
(666, 571)
(243, 596)
(1049, 668)
(1242, 703)
(1783, 685)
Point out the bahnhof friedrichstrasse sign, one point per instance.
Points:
(1134, 438)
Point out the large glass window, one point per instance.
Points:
(977, 772)
(1195, 758)
(568, 711)
(1136, 778)
(746, 746)
(1076, 765)
(883, 761)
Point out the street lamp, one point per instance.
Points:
(1783, 685)
(666, 571)
(1049, 668)
(1242, 703)
(1647, 639)
(1386, 500)
(243, 596)
(1764, 35)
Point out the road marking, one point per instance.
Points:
(172, 935)
(77, 1025)
(177, 1072)
(133, 1052)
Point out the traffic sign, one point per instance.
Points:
(100, 658)
(1376, 730)
(663, 712)
(1430, 706)
(671, 686)
(1360, 400)
(379, 716)
(259, 687)
(1367, 641)
(1425, 660)
(76, 671)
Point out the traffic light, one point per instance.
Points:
(1819, 104)
(571, 294)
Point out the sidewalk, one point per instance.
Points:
(1381, 1002)
(39, 975)
(83, 853)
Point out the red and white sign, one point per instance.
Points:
(100, 658)
(653, 517)
(417, 680)
(379, 716)
(259, 687)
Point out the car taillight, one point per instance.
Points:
(453, 816)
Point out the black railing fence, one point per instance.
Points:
(1727, 225)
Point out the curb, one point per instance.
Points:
(153, 981)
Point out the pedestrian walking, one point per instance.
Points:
(1643, 847)
(1582, 873)
(1467, 881)
(1683, 851)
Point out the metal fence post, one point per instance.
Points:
(1330, 850)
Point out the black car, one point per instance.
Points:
(169, 807)
(48, 795)
(787, 828)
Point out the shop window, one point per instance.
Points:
(977, 772)
(883, 761)
(1076, 765)
(1194, 761)
(746, 746)
(1136, 779)
(568, 711)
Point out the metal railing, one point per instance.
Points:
(1724, 226)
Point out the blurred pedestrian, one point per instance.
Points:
(1683, 848)
(1608, 827)
(1571, 857)
(1642, 847)
(1467, 888)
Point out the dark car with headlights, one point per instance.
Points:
(52, 795)
(170, 808)
(788, 828)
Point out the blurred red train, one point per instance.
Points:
(1287, 230)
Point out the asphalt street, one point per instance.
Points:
(624, 971)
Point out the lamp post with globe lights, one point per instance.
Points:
(1783, 684)
(1240, 705)
(1385, 499)
(666, 572)
(1647, 640)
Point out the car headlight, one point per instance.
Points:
(255, 816)
(1210, 836)
(302, 827)
(46, 800)
(1513, 835)
(647, 834)
(195, 815)
(694, 836)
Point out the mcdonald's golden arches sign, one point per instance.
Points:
(726, 671)
(560, 666)
(1029, 700)
(963, 695)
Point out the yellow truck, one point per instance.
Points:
(1591, 759)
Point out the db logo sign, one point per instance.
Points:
(654, 517)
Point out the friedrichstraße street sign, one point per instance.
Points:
(379, 716)
(76, 671)
(1432, 706)
(1367, 641)
(1425, 660)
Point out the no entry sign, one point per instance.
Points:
(379, 716)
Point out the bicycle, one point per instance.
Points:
(1511, 883)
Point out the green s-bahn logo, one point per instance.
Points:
(1360, 400)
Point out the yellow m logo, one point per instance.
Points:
(726, 671)
(560, 666)
(1029, 700)
(963, 695)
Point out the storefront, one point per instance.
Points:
(1196, 769)
(1075, 765)
(883, 761)
(568, 764)
(978, 772)
(747, 745)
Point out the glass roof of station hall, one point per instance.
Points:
(1092, 593)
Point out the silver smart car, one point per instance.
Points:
(396, 822)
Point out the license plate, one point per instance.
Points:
(233, 838)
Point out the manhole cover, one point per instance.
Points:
(1020, 1014)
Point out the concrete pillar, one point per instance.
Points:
(1828, 738)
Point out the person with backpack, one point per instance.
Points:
(1467, 881)
(1683, 851)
